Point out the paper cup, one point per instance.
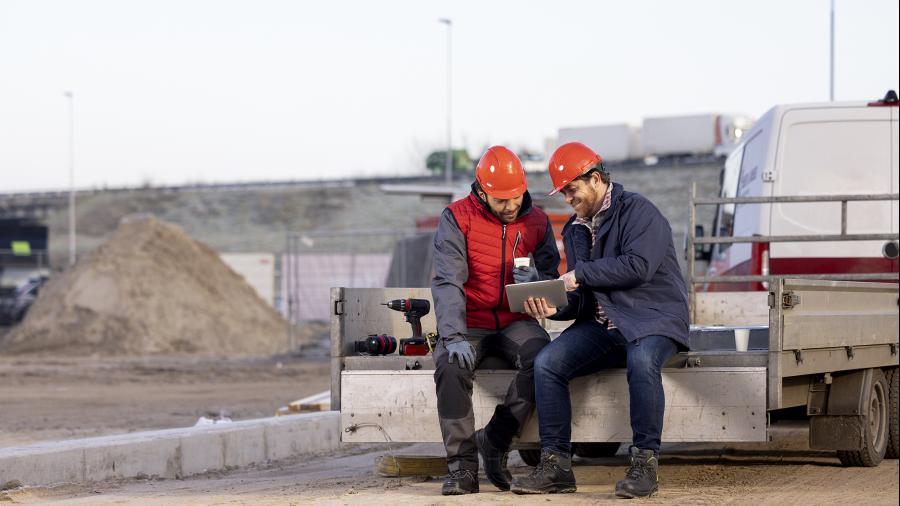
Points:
(741, 339)
(522, 261)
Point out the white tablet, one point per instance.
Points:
(553, 290)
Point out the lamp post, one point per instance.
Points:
(831, 57)
(71, 96)
(448, 167)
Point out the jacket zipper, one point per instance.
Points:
(502, 277)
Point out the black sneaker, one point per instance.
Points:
(460, 482)
(640, 479)
(552, 475)
(494, 461)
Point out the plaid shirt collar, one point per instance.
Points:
(594, 222)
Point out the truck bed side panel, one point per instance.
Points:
(703, 404)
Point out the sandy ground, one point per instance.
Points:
(46, 399)
(689, 474)
(49, 398)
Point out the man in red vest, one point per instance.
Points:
(474, 247)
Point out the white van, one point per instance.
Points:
(834, 148)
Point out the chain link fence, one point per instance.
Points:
(314, 262)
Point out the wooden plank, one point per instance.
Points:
(702, 404)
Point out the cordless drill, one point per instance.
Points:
(413, 310)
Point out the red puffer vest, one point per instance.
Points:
(489, 254)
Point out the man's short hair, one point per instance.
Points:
(598, 168)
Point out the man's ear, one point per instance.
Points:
(482, 195)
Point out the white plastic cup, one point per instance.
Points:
(741, 339)
(522, 261)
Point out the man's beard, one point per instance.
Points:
(583, 207)
(506, 221)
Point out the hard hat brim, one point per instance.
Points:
(558, 189)
(506, 194)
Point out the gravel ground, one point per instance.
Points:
(689, 474)
(49, 398)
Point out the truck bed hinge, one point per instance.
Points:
(789, 300)
(338, 307)
(798, 356)
(893, 349)
(850, 352)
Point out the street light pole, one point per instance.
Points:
(448, 165)
(71, 96)
(831, 57)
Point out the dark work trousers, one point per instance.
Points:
(518, 343)
(585, 348)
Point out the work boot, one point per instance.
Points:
(640, 479)
(553, 475)
(460, 482)
(494, 461)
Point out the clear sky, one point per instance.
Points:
(179, 91)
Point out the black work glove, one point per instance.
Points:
(525, 274)
(464, 354)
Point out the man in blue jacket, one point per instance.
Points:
(629, 302)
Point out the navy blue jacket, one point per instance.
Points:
(633, 271)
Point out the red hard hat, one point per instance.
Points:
(500, 173)
(569, 161)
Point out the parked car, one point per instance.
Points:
(14, 303)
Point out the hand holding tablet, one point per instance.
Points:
(539, 308)
(553, 291)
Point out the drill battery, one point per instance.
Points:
(413, 347)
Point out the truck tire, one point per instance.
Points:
(595, 450)
(893, 452)
(530, 457)
(875, 427)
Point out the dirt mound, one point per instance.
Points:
(150, 289)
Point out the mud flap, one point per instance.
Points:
(836, 432)
(842, 427)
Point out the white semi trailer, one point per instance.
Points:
(698, 134)
(615, 142)
(673, 136)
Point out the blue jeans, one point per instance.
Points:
(585, 348)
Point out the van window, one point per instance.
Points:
(725, 214)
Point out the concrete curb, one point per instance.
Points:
(172, 453)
